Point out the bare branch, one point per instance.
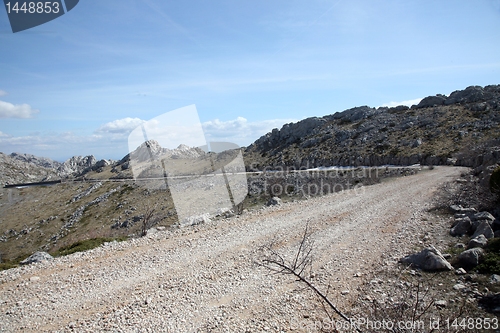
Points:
(302, 260)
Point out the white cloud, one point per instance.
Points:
(3, 135)
(407, 103)
(3, 92)
(240, 130)
(120, 126)
(8, 110)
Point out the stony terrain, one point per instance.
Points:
(440, 130)
(206, 277)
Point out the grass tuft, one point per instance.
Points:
(85, 245)
(491, 260)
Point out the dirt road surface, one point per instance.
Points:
(206, 278)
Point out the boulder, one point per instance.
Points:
(431, 101)
(461, 227)
(470, 258)
(457, 209)
(482, 216)
(194, 220)
(417, 143)
(36, 257)
(355, 114)
(429, 259)
(472, 94)
(483, 228)
(479, 241)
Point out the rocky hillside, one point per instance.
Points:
(460, 129)
(25, 168)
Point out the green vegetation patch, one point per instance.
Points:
(7, 265)
(491, 261)
(85, 245)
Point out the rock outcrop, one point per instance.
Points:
(36, 257)
(459, 129)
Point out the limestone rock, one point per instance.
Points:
(431, 101)
(482, 216)
(429, 259)
(462, 226)
(470, 258)
(484, 228)
(36, 257)
(479, 241)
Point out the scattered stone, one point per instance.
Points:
(470, 258)
(460, 271)
(429, 259)
(34, 278)
(417, 143)
(457, 209)
(151, 231)
(195, 220)
(483, 216)
(494, 279)
(479, 241)
(441, 303)
(345, 292)
(274, 201)
(459, 287)
(447, 256)
(460, 246)
(484, 229)
(36, 257)
(462, 227)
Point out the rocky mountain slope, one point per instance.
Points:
(458, 129)
(19, 168)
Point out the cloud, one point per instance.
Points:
(61, 146)
(3, 135)
(407, 103)
(119, 126)
(240, 130)
(3, 92)
(8, 110)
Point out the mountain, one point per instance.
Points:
(25, 168)
(460, 129)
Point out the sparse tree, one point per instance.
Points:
(149, 220)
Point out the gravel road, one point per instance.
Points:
(206, 278)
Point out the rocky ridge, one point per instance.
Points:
(439, 130)
(18, 168)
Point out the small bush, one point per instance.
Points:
(7, 265)
(491, 261)
(495, 181)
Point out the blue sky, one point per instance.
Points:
(79, 84)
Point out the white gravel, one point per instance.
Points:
(205, 278)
